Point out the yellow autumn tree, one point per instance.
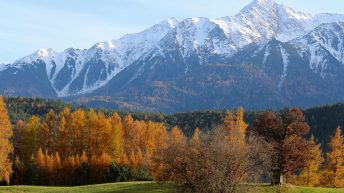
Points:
(177, 137)
(140, 158)
(61, 135)
(194, 141)
(31, 138)
(6, 147)
(91, 124)
(334, 170)
(128, 130)
(83, 158)
(47, 131)
(242, 126)
(150, 139)
(19, 139)
(138, 135)
(229, 122)
(75, 132)
(116, 148)
(104, 134)
(132, 160)
(235, 126)
(311, 174)
(40, 158)
(160, 137)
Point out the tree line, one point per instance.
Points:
(323, 120)
(84, 147)
(273, 147)
(78, 146)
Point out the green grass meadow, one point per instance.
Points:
(151, 187)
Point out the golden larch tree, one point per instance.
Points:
(117, 146)
(240, 121)
(334, 169)
(61, 136)
(6, 147)
(132, 160)
(195, 141)
(127, 123)
(19, 138)
(31, 138)
(177, 137)
(48, 131)
(75, 132)
(311, 174)
(235, 126)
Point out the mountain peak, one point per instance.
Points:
(40, 54)
(44, 52)
(266, 4)
(171, 22)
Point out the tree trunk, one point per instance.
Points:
(308, 174)
(277, 177)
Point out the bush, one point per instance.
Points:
(141, 174)
(219, 165)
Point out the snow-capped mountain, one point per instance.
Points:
(293, 58)
(324, 47)
(75, 71)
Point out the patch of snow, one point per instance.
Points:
(285, 57)
(266, 54)
(3, 67)
(317, 61)
(327, 39)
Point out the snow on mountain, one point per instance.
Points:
(285, 59)
(257, 23)
(195, 35)
(75, 71)
(263, 20)
(3, 67)
(116, 54)
(320, 45)
(130, 47)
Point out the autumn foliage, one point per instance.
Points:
(77, 147)
(5, 145)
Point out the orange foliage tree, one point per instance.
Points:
(6, 147)
(334, 168)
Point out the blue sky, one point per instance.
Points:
(27, 25)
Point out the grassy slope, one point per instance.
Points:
(293, 189)
(127, 187)
(148, 187)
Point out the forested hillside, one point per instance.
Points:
(58, 144)
(323, 120)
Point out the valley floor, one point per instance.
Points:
(150, 187)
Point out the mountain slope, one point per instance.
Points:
(75, 71)
(275, 74)
(267, 55)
